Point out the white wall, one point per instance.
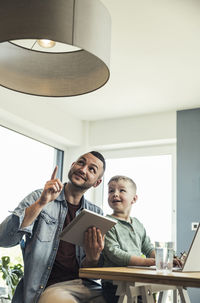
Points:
(133, 131)
(76, 137)
(53, 127)
(117, 134)
(60, 129)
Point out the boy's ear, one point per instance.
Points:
(135, 199)
(97, 182)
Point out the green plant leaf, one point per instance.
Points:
(11, 274)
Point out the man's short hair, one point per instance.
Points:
(100, 157)
(125, 178)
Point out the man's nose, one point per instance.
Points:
(83, 169)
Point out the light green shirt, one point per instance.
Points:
(125, 240)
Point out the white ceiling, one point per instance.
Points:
(155, 63)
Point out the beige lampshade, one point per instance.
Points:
(85, 24)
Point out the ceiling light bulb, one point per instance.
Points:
(46, 43)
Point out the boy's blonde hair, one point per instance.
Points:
(127, 179)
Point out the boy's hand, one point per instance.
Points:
(52, 189)
(140, 261)
(177, 262)
(149, 262)
(93, 245)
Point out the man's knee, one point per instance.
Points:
(52, 295)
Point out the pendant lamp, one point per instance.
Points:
(84, 24)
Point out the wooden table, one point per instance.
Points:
(127, 279)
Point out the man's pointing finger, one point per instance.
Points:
(53, 176)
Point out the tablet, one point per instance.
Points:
(74, 231)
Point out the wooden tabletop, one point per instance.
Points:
(131, 274)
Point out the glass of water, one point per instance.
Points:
(164, 257)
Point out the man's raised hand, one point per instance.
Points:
(52, 189)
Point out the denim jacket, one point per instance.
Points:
(41, 242)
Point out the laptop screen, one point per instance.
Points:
(192, 262)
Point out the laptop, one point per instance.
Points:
(192, 260)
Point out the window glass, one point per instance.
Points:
(153, 177)
(26, 165)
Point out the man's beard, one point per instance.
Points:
(84, 186)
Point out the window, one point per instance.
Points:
(152, 176)
(26, 165)
(153, 168)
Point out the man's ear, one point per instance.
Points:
(97, 182)
(72, 164)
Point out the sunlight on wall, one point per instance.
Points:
(153, 177)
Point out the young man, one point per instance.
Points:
(40, 218)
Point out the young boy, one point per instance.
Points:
(127, 241)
